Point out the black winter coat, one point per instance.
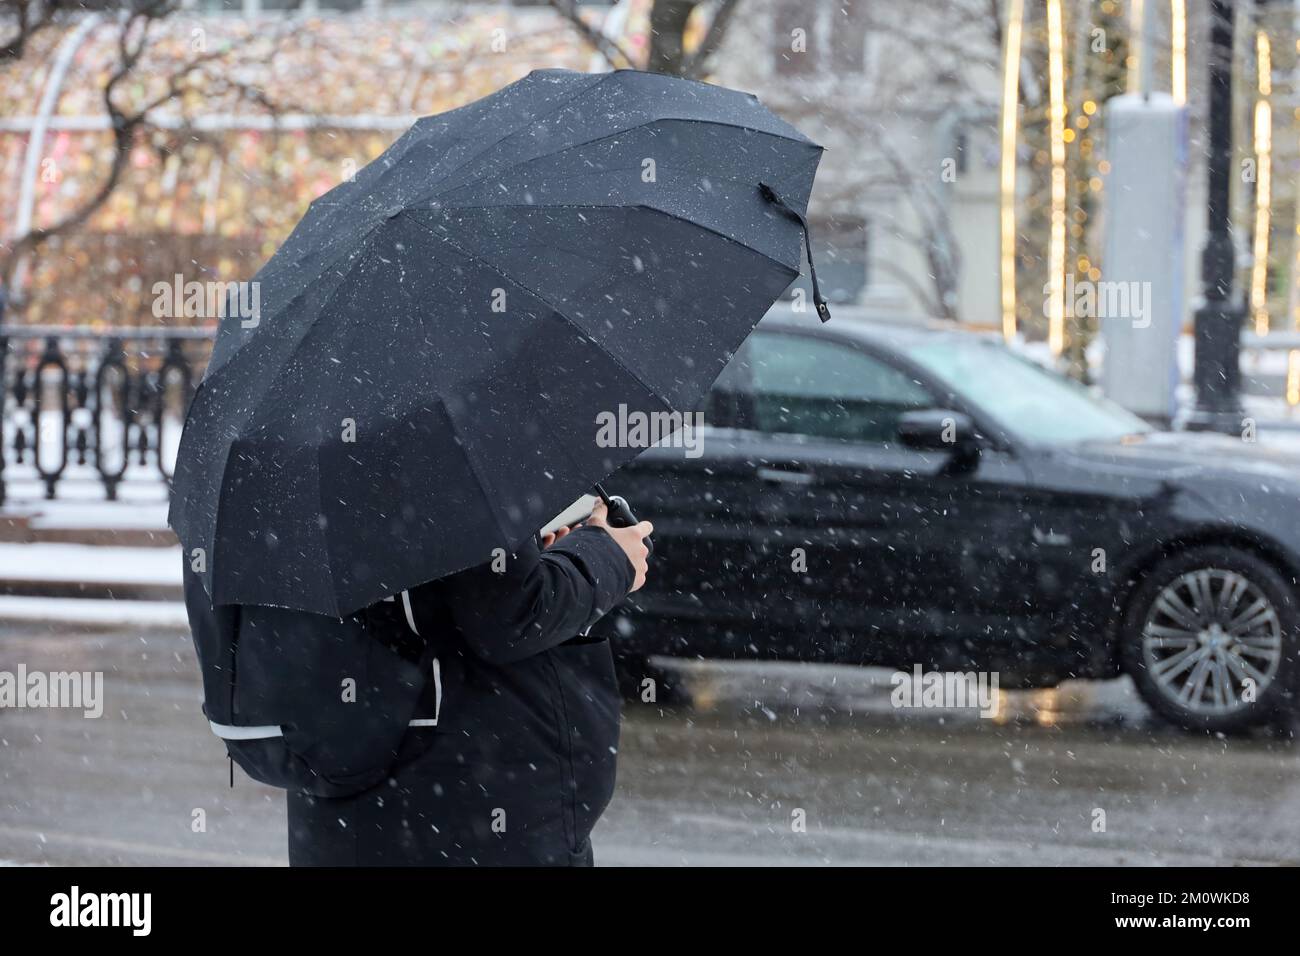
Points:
(521, 763)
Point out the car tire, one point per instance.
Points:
(1210, 638)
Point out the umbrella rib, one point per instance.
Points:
(225, 471)
(216, 524)
(639, 205)
(364, 241)
(530, 122)
(324, 537)
(290, 264)
(478, 475)
(361, 252)
(554, 308)
(600, 139)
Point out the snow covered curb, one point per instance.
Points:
(55, 570)
(105, 564)
(94, 612)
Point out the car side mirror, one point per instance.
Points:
(938, 429)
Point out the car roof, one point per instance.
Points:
(897, 332)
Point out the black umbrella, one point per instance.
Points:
(437, 337)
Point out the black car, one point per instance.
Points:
(892, 495)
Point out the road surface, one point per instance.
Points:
(774, 765)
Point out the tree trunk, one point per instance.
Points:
(667, 28)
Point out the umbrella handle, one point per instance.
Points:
(620, 514)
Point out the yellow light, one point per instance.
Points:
(1046, 706)
(1178, 50)
(1263, 185)
(1264, 58)
(1068, 135)
(1089, 107)
(1010, 129)
(1103, 167)
(1293, 378)
(1263, 127)
(1057, 237)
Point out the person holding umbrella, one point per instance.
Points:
(365, 465)
(522, 763)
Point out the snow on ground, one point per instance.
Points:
(94, 612)
(100, 564)
(714, 784)
(82, 483)
(114, 515)
(83, 503)
(1288, 441)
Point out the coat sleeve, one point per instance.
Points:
(540, 599)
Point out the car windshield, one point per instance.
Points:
(1024, 398)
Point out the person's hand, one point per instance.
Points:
(551, 537)
(631, 540)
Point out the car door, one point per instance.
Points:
(861, 542)
(1083, 508)
(702, 597)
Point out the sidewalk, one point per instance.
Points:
(88, 562)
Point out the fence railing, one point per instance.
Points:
(109, 400)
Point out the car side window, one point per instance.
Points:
(730, 401)
(808, 386)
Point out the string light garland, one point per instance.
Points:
(1010, 135)
(1056, 248)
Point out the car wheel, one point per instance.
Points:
(1210, 639)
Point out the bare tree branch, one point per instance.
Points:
(695, 64)
(125, 122)
(30, 18)
(613, 52)
(925, 296)
(995, 22)
(668, 20)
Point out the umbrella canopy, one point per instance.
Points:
(438, 337)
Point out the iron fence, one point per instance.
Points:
(105, 399)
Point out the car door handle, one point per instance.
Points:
(781, 476)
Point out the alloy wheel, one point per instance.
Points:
(1212, 641)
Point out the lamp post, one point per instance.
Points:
(1219, 318)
